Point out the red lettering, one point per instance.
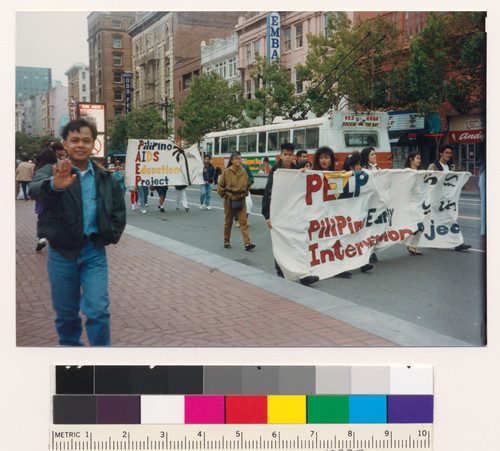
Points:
(350, 251)
(137, 179)
(313, 227)
(313, 185)
(138, 157)
(314, 261)
(137, 168)
(326, 188)
(156, 156)
(141, 144)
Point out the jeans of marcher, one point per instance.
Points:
(205, 192)
(143, 195)
(80, 284)
(24, 186)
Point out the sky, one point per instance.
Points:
(54, 40)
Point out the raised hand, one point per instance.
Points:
(61, 175)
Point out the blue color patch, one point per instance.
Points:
(366, 409)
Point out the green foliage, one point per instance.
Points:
(275, 94)
(141, 123)
(448, 63)
(212, 105)
(30, 145)
(367, 82)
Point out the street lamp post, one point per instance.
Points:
(165, 105)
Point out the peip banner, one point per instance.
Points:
(325, 223)
(161, 163)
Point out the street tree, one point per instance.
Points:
(362, 64)
(31, 146)
(447, 64)
(274, 95)
(212, 105)
(145, 123)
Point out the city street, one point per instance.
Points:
(442, 291)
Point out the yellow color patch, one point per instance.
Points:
(286, 409)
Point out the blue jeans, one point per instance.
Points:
(205, 192)
(143, 195)
(80, 284)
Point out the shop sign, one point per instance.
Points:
(466, 136)
(406, 121)
(273, 36)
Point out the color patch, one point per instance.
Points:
(410, 409)
(370, 380)
(222, 380)
(367, 409)
(328, 409)
(204, 410)
(74, 410)
(286, 409)
(118, 410)
(186, 380)
(409, 380)
(260, 380)
(297, 380)
(162, 409)
(74, 380)
(333, 380)
(246, 409)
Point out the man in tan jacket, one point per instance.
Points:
(24, 174)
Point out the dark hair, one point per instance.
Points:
(265, 159)
(303, 163)
(57, 146)
(351, 160)
(321, 151)
(25, 157)
(444, 147)
(207, 156)
(76, 125)
(232, 156)
(48, 156)
(411, 156)
(287, 146)
(365, 153)
(301, 152)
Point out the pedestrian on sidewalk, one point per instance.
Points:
(248, 199)
(413, 161)
(181, 198)
(208, 178)
(162, 193)
(233, 187)
(83, 212)
(60, 151)
(119, 174)
(24, 174)
(142, 191)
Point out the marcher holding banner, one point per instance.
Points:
(413, 162)
(233, 187)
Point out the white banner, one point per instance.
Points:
(325, 223)
(161, 163)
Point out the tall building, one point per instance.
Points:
(110, 54)
(31, 81)
(221, 55)
(78, 83)
(57, 109)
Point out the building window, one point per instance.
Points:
(84, 88)
(249, 89)
(84, 75)
(117, 43)
(117, 77)
(249, 53)
(187, 78)
(167, 67)
(299, 86)
(117, 24)
(287, 39)
(326, 18)
(167, 38)
(232, 67)
(256, 52)
(298, 36)
(118, 112)
(118, 95)
(117, 60)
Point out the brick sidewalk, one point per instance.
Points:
(159, 298)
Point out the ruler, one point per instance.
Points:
(327, 437)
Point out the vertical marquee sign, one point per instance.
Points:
(94, 112)
(273, 36)
(127, 77)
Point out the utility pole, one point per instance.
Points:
(165, 105)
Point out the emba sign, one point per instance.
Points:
(273, 36)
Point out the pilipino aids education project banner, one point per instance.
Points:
(162, 163)
(325, 223)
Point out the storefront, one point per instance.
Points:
(467, 137)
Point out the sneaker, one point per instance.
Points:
(161, 208)
(365, 268)
(146, 204)
(143, 212)
(40, 246)
(308, 280)
(187, 209)
(344, 275)
(208, 207)
(177, 209)
(463, 247)
(201, 207)
(373, 258)
(249, 246)
(134, 207)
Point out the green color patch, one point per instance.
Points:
(328, 409)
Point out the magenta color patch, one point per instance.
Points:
(204, 410)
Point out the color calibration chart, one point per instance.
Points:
(335, 408)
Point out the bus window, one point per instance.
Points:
(210, 150)
(223, 145)
(252, 143)
(312, 138)
(353, 139)
(299, 139)
(216, 147)
(242, 143)
(262, 142)
(232, 144)
(284, 136)
(272, 141)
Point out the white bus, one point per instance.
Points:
(342, 131)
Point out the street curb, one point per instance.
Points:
(398, 331)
